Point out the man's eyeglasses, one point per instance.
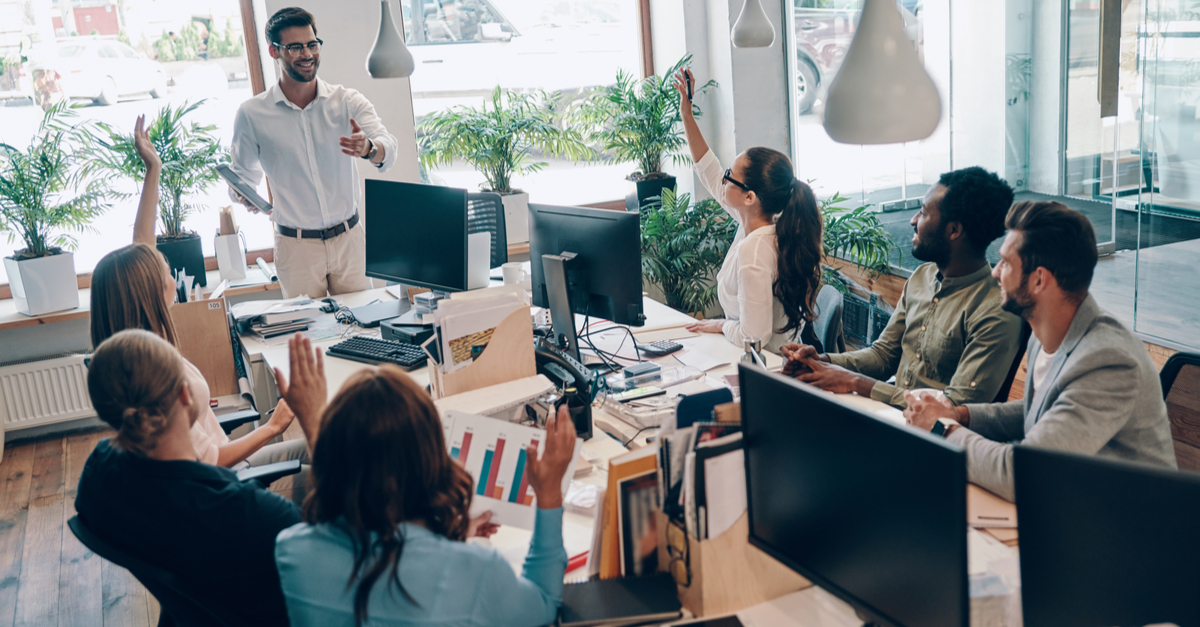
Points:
(729, 178)
(313, 46)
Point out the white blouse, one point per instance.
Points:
(747, 277)
(207, 434)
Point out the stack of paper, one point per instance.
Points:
(463, 327)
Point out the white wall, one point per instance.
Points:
(1046, 99)
(977, 79)
(348, 28)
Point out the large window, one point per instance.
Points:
(465, 48)
(119, 59)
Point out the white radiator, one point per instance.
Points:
(43, 391)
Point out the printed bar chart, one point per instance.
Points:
(461, 451)
(521, 495)
(492, 470)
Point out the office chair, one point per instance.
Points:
(1006, 387)
(485, 213)
(180, 606)
(828, 325)
(1180, 379)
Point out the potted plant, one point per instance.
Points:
(43, 190)
(497, 140)
(639, 121)
(855, 235)
(189, 152)
(683, 247)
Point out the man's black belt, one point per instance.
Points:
(321, 234)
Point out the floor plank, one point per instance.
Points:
(37, 595)
(124, 599)
(17, 472)
(80, 589)
(47, 469)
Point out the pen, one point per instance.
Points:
(577, 561)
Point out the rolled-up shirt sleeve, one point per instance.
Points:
(372, 125)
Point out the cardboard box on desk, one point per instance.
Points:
(727, 573)
(202, 328)
(509, 356)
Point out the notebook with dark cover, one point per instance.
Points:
(622, 601)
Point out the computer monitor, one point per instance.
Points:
(417, 234)
(1105, 542)
(600, 252)
(872, 511)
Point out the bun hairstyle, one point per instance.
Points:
(400, 472)
(797, 230)
(134, 379)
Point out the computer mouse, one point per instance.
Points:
(330, 306)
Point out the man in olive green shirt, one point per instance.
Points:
(948, 331)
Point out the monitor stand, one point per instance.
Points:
(558, 293)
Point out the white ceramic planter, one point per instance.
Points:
(516, 216)
(43, 285)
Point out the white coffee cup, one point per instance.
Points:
(514, 273)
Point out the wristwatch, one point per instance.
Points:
(944, 426)
(372, 152)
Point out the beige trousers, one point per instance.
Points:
(294, 486)
(315, 267)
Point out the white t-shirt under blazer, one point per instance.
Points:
(745, 284)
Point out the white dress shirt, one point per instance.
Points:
(745, 284)
(314, 184)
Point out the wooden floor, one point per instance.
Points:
(46, 576)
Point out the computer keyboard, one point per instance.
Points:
(373, 350)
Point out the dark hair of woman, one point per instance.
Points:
(797, 230)
(381, 460)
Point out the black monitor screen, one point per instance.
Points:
(1106, 542)
(872, 511)
(606, 280)
(417, 234)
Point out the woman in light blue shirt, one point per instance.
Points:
(385, 523)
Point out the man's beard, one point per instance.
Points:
(1018, 303)
(934, 248)
(297, 76)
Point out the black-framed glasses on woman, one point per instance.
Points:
(729, 178)
(313, 46)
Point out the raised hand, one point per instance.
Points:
(145, 149)
(356, 145)
(680, 80)
(305, 394)
(546, 474)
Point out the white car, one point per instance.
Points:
(102, 70)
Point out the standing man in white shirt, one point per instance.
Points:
(308, 136)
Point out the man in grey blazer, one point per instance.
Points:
(1091, 387)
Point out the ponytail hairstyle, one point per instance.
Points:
(400, 471)
(134, 379)
(793, 206)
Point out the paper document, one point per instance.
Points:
(982, 550)
(985, 509)
(493, 451)
(724, 490)
(699, 359)
(254, 308)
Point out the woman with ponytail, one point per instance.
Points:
(768, 283)
(146, 492)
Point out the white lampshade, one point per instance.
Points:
(881, 94)
(389, 56)
(752, 29)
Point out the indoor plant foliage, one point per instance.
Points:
(189, 152)
(683, 247)
(855, 235)
(497, 139)
(44, 191)
(639, 120)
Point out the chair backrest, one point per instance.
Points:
(828, 325)
(178, 602)
(1006, 387)
(485, 214)
(1180, 379)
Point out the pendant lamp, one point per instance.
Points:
(389, 56)
(752, 29)
(881, 94)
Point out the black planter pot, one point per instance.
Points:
(638, 191)
(185, 254)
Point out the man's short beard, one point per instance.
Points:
(936, 249)
(297, 76)
(1019, 303)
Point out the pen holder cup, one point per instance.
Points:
(723, 574)
(231, 256)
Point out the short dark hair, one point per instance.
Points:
(1057, 238)
(286, 18)
(978, 200)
